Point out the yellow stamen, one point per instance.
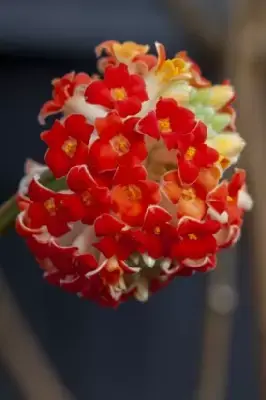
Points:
(50, 206)
(86, 198)
(188, 194)
(112, 265)
(70, 147)
(157, 230)
(192, 236)
(190, 153)
(164, 125)
(119, 94)
(132, 192)
(120, 144)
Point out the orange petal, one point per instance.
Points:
(148, 60)
(123, 203)
(209, 177)
(106, 46)
(195, 208)
(172, 191)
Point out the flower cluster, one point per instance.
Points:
(142, 152)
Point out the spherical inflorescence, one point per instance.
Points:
(141, 152)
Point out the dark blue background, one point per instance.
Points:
(142, 352)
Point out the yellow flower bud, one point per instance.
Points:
(128, 50)
(220, 95)
(229, 145)
(173, 69)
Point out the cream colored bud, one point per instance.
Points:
(228, 144)
(220, 95)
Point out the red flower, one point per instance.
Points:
(85, 264)
(107, 225)
(132, 194)
(174, 122)
(227, 204)
(96, 290)
(113, 269)
(196, 241)
(102, 178)
(119, 143)
(119, 90)
(217, 202)
(111, 272)
(62, 258)
(194, 154)
(229, 200)
(148, 125)
(115, 240)
(142, 201)
(235, 205)
(204, 265)
(63, 268)
(197, 80)
(170, 122)
(157, 234)
(24, 226)
(63, 89)
(105, 282)
(228, 235)
(68, 144)
(94, 199)
(190, 200)
(53, 210)
(55, 258)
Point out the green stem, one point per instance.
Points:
(9, 210)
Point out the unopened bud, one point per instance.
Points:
(220, 121)
(220, 95)
(216, 96)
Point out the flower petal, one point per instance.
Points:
(78, 127)
(194, 208)
(58, 162)
(130, 106)
(125, 175)
(106, 245)
(98, 93)
(228, 144)
(106, 225)
(155, 216)
(149, 125)
(188, 172)
(79, 179)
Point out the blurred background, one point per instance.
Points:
(201, 338)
